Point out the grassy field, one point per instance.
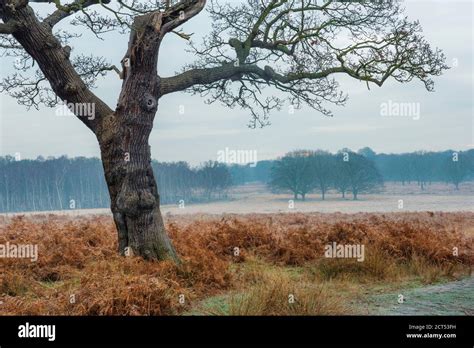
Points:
(256, 198)
(279, 267)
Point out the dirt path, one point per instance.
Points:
(453, 298)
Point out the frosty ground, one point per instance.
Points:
(256, 198)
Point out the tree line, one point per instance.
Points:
(78, 183)
(420, 167)
(304, 171)
(423, 167)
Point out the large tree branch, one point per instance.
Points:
(65, 11)
(180, 13)
(208, 76)
(295, 47)
(53, 60)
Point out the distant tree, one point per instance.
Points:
(341, 179)
(322, 164)
(403, 169)
(421, 166)
(367, 152)
(470, 158)
(356, 173)
(457, 167)
(214, 177)
(294, 172)
(176, 181)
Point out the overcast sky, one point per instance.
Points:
(445, 122)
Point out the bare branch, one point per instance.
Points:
(295, 47)
(180, 13)
(53, 61)
(207, 76)
(65, 11)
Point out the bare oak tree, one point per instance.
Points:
(294, 172)
(295, 47)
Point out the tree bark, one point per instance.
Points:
(126, 155)
(135, 202)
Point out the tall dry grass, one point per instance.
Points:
(78, 260)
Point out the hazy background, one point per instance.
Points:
(446, 120)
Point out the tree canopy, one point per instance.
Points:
(295, 46)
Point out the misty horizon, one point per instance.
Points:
(216, 157)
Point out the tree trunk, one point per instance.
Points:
(123, 135)
(135, 204)
(126, 155)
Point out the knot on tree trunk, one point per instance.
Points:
(71, 88)
(134, 202)
(149, 102)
